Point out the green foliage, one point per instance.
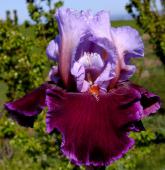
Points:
(151, 21)
(45, 25)
(8, 129)
(21, 69)
(144, 138)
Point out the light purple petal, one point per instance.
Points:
(78, 71)
(95, 132)
(91, 60)
(128, 44)
(53, 74)
(107, 74)
(99, 25)
(74, 25)
(127, 72)
(128, 41)
(52, 49)
(105, 69)
(71, 29)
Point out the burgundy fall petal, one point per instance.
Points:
(149, 101)
(95, 132)
(26, 109)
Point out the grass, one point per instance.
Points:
(131, 23)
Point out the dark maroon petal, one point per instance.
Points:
(149, 101)
(26, 109)
(95, 131)
(26, 121)
(135, 126)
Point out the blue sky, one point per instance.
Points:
(115, 7)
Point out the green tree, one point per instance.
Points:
(21, 68)
(44, 18)
(152, 21)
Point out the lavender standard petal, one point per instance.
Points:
(99, 25)
(128, 44)
(128, 41)
(52, 49)
(71, 29)
(74, 26)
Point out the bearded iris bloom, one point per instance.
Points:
(90, 99)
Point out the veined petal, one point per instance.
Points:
(74, 26)
(71, 28)
(127, 72)
(99, 55)
(78, 71)
(100, 24)
(128, 44)
(95, 132)
(128, 41)
(149, 101)
(104, 78)
(91, 60)
(25, 109)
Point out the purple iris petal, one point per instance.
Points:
(71, 28)
(107, 74)
(135, 126)
(128, 41)
(92, 60)
(104, 65)
(128, 44)
(149, 101)
(126, 74)
(52, 49)
(25, 109)
(78, 71)
(75, 26)
(95, 132)
(99, 24)
(53, 74)
(95, 124)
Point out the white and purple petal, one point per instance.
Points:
(78, 71)
(128, 44)
(99, 55)
(128, 41)
(71, 28)
(74, 29)
(103, 80)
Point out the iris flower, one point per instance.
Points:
(89, 97)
